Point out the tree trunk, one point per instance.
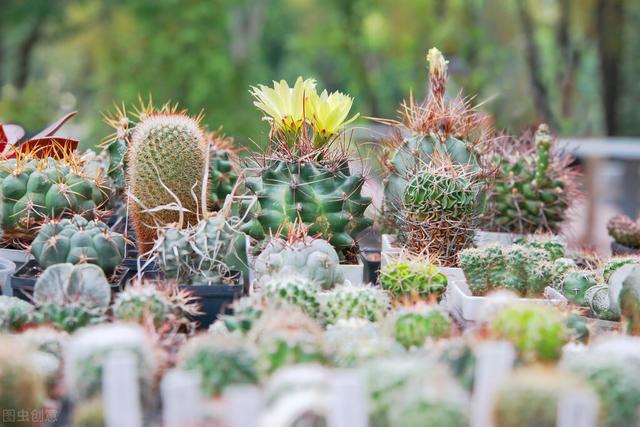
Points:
(569, 59)
(25, 53)
(609, 33)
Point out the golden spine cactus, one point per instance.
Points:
(167, 159)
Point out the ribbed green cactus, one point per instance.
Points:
(223, 173)
(14, 313)
(598, 300)
(625, 231)
(246, 312)
(70, 297)
(522, 269)
(344, 302)
(533, 186)
(220, 360)
(294, 290)
(414, 324)
(314, 259)
(575, 285)
(76, 241)
(327, 198)
(36, 189)
(537, 331)
(405, 278)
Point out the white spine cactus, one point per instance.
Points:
(344, 302)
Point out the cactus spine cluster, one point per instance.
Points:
(415, 324)
(294, 290)
(76, 241)
(625, 231)
(406, 278)
(365, 302)
(532, 188)
(14, 313)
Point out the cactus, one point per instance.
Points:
(49, 344)
(14, 313)
(246, 312)
(625, 231)
(76, 241)
(575, 285)
(34, 189)
(445, 128)
(314, 259)
(598, 300)
(285, 336)
(220, 360)
(553, 245)
(624, 296)
(223, 173)
(22, 387)
(530, 397)
(89, 414)
(294, 290)
(344, 302)
(415, 324)
(405, 278)
(438, 212)
(613, 264)
(354, 341)
(90, 347)
(533, 186)
(70, 297)
(537, 331)
(146, 302)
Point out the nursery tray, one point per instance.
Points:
(24, 280)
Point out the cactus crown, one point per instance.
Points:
(413, 324)
(412, 277)
(294, 290)
(344, 302)
(625, 231)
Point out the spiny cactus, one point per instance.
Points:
(223, 165)
(614, 263)
(76, 241)
(519, 268)
(553, 245)
(246, 312)
(220, 360)
(22, 387)
(35, 188)
(14, 313)
(438, 127)
(533, 185)
(344, 302)
(406, 278)
(576, 283)
(530, 397)
(353, 341)
(537, 331)
(294, 290)
(624, 296)
(285, 336)
(314, 259)
(413, 325)
(625, 231)
(70, 297)
(438, 210)
(90, 347)
(598, 300)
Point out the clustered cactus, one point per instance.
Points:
(365, 302)
(415, 324)
(625, 231)
(294, 290)
(533, 186)
(407, 278)
(77, 240)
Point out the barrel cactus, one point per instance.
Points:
(413, 325)
(576, 283)
(14, 313)
(599, 302)
(344, 302)
(294, 290)
(70, 297)
(406, 278)
(625, 231)
(221, 360)
(77, 240)
(533, 186)
(313, 258)
(34, 189)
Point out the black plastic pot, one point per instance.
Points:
(217, 299)
(24, 280)
(371, 261)
(618, 249)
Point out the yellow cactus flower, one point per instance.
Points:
(328, 112)
(284, 105)
(437, 63)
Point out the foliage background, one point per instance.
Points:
(573, 63)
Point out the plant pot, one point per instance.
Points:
(390, 249)
(7, 268)
(486, 238)
(462, 303)
(24, 280)
(618, 249)
(216, 299)
(371, 261)
(18, 256)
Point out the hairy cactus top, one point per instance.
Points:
(625, 231)
(406, 278)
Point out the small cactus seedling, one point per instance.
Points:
(407, 278)
(625, 231)
(14, 313)
(294, 290)
(221, 360)
(78, 241)
(365, 302)
(415, 324)
(575, 285)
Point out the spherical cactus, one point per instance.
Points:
(598, 300)
(407, 278)
(353, 341)
(575, 285)
(166, 163)
(14, 313)
(220, 360)
(625, 231)
(537, 331)
(76, 241)
(533, 186)
(315, 259)
(90, 347)
(413, 325)
(294, 290)
(246, 312)
(327, 198)
(344, 302)
(530, 397)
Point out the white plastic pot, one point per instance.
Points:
(7, 268)
(486, 238)
(16, 255)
